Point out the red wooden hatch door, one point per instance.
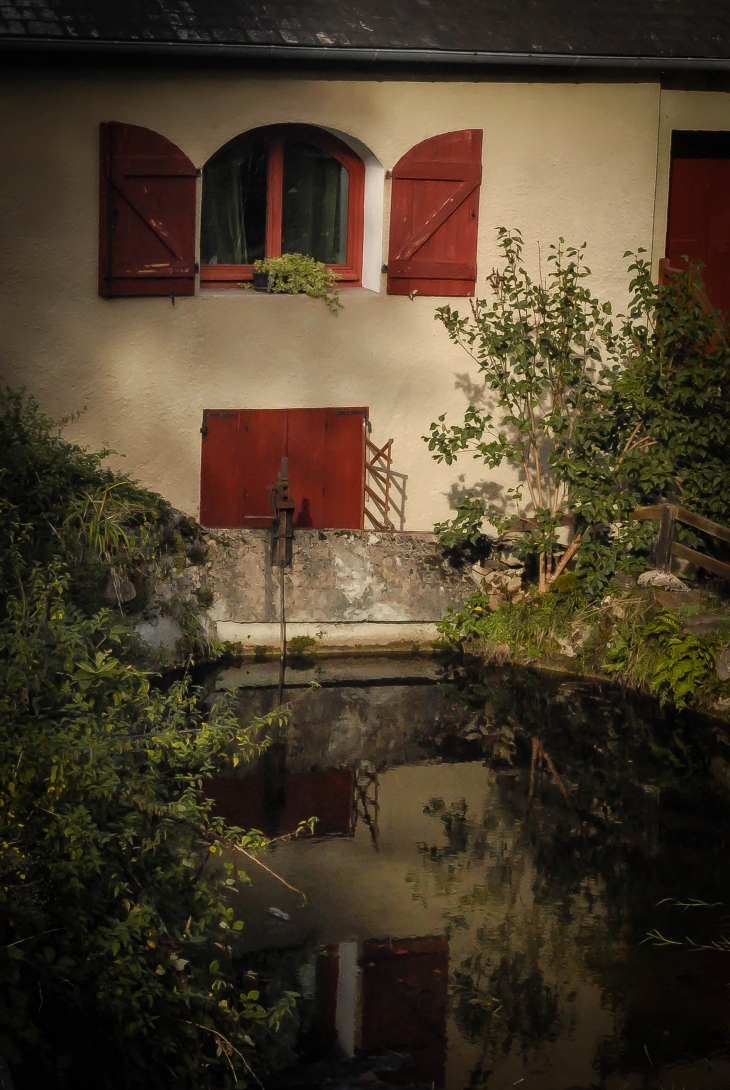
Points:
(241, 456)
(146, 214)
(306, 454)
(434, 216)
(699, 222)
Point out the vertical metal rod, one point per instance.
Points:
(282, 635)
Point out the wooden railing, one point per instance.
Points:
(378, 463)
(666, 547)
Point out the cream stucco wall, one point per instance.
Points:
(577, 160)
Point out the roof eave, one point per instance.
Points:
(231, 50)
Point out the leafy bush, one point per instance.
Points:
(59, 501)
(293, 274)
(657, 654)
(625, 636)
(598, 416)
(120, 960)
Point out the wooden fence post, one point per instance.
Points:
(663, 544)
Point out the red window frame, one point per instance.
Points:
(228, 276)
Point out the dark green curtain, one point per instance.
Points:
(314, 213)
(233, 215)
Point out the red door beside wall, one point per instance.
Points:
(699, 210)
(241, 456)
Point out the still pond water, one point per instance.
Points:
(488, 858)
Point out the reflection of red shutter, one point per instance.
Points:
(146, 214)
(434, 215)
(220, 473)
(699, 222)
(404, 993)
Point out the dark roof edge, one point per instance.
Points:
(341, 53)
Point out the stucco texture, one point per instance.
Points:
(572, 160)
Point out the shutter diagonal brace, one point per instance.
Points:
(470, 176)
(167, 237)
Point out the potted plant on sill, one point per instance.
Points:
(295, 274)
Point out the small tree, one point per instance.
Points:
(599, 419)
(537, 344)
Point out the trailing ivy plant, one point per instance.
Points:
(294, 274)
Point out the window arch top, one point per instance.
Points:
(281, 189)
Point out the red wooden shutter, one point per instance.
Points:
(343, 479)
(221, 492)
(263, 445)
(434, 216)
(699, 222)
(241, 457)
(305, 450)
(146, 214)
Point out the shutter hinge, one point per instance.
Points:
(204, 429)
(388, 175)
(196, 267)
(383, 268)
(199, 172)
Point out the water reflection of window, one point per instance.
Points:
(283, 189)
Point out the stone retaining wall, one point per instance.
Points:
(348, 589)
(337, 576)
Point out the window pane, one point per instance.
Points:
(314, 212)
(233, 216)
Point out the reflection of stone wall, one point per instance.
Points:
(336, 576)
(341, 727)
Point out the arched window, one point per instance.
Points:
(281, 189)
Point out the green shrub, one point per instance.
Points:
(599, 416)
(120, 962)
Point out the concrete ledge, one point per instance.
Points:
(356, 634)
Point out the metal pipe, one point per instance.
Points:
(476, 57)
(282, 636)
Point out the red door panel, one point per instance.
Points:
(343, 478)
(699, 222)
(306, 453)
(220, 483)
(717, 274)
(688, 206)
(263, 445)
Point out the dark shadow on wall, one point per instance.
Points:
(487, 491)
